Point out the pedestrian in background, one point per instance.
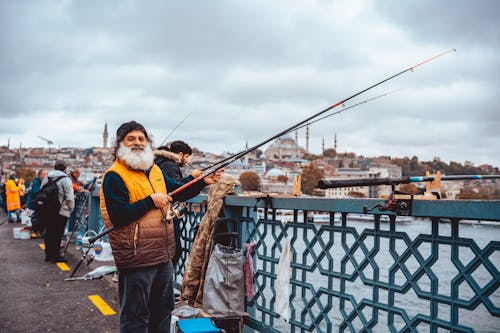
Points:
(36, 185)
(37, 225)
(13, 200)
(56, 221)
(77, 183)
(3, 202)
(22, 191)
(79, 188)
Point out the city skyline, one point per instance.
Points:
(242, 72)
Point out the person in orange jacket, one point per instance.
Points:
(13, 199)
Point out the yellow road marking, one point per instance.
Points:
(101, 305)
(42, 246)
(62, 266)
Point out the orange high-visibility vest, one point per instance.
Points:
(12, 195)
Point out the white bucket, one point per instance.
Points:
(17, 232)
(25, 233)
(102, 251)
(21, 233)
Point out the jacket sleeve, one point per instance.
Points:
(121, 212)
(69, 195)
(187, 193)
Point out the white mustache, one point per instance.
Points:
(136, 157)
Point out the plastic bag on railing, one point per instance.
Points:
(223, 291)
(282, 305)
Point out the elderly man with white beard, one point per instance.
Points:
(134, 200)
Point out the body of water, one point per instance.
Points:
(319, 272)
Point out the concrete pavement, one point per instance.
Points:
(35, 298)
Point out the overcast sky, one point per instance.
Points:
(246, 70)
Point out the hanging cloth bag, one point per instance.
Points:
(224, 288)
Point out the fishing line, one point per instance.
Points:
(237, 156)
(310, 123)
(173, 130)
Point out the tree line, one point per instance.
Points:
(413, 167)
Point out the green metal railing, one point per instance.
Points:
(435, 273)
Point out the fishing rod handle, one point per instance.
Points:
(188, 184)
(102, 234)
(336, 183)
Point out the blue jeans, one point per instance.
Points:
(146, 299)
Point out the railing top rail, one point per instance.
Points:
(488, 210)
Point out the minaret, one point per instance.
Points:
(246, 155)
(335, 142)
(297, 142)
(323, 146)
(105, 136)
(307, 138)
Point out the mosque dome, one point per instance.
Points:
(284, 148)
(275, 172)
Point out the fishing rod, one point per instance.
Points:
(232, 158)
(337, 183)
(399, 202)
(244, 152)
(341, 102)
(173, 130)
(239, 155)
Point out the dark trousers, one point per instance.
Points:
(178, 247)
(53, 235)
(146, 299)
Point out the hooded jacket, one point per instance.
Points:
(169, 163)
(65, 191)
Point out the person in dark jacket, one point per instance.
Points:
(36, 185)
(134, 200)
(170, 159)
(37, 225)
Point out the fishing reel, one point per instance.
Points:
(176, 211)
(398, 202)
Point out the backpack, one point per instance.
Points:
(46, 201)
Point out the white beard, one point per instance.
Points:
(136, 159)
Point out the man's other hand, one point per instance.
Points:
(196, 173)
(214, 178)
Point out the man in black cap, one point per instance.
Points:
(170, 159)
(56, 221)
(134, 200)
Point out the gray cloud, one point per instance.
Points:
(249, 70)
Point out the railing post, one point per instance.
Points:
(95, 218)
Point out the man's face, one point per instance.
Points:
(43, 174)
(135, 150)
(184, 158)
(135, 140)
